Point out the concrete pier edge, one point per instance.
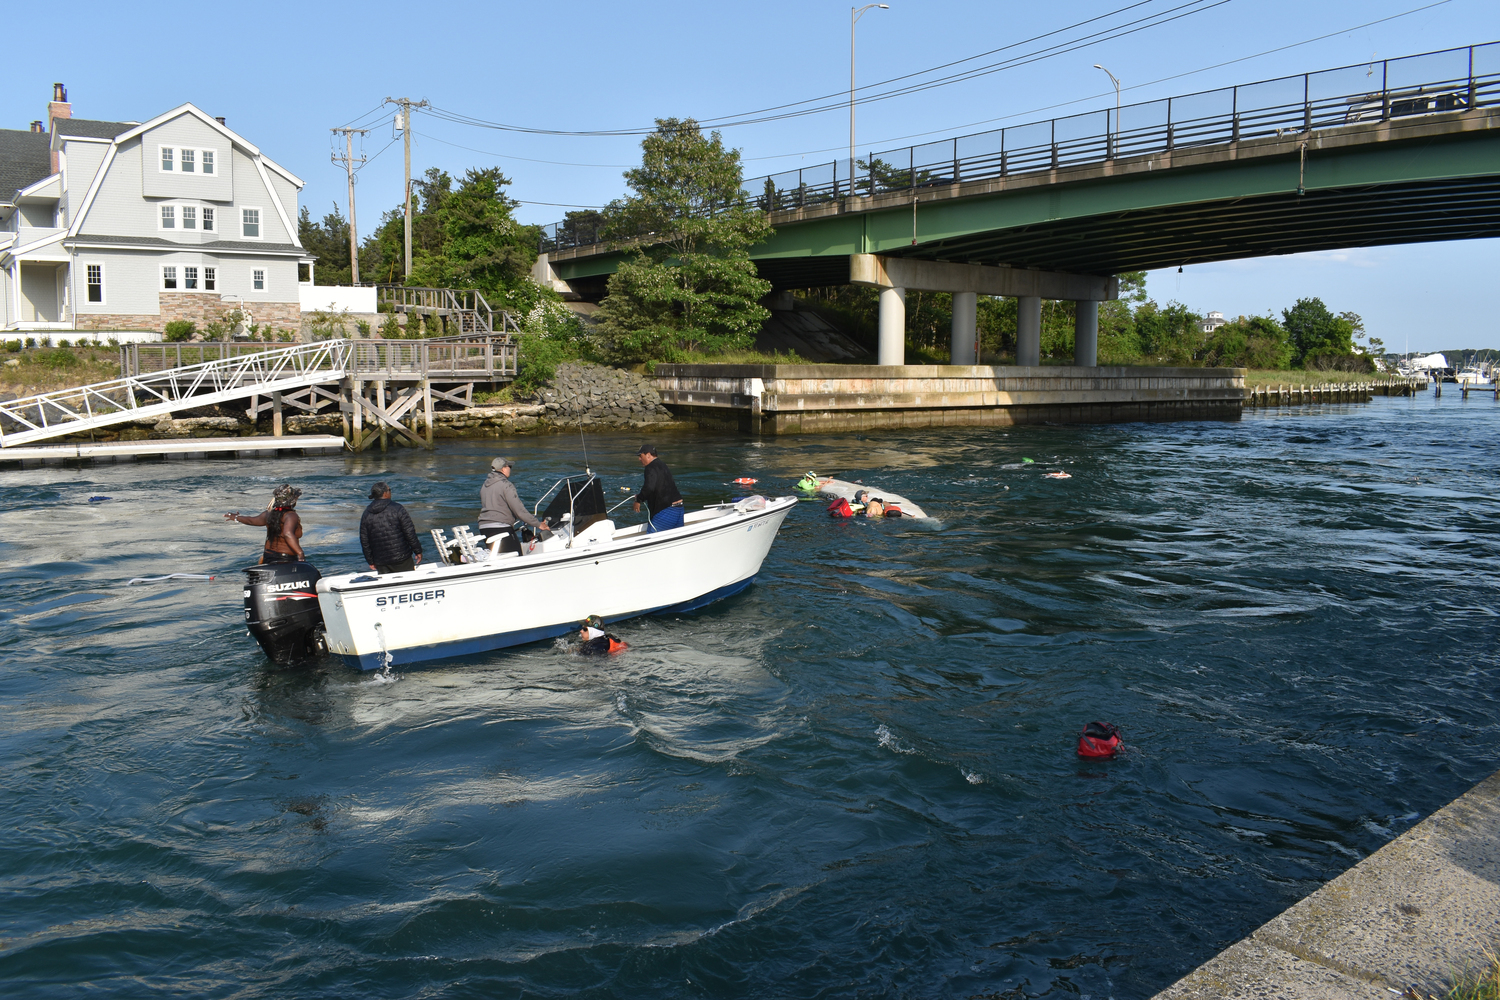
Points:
(1419, 911)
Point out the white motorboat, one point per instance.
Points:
(515, 588)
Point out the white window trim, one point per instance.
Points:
(161, 277)
(265, 280)
(181, 203)
(262, 224)
(198, 152)
(103, 286)
(204, 279)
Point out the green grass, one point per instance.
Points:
(45, 369)
(1481, 984)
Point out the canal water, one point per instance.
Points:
(857, 779)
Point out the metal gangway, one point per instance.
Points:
(148, 388)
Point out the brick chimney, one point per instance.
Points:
(58, 108)
(38, 127)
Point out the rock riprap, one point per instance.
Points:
(595, 394)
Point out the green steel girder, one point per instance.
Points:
(1440, 187)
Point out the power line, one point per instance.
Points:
(752, 118)
(1138, 86)
(527, 159)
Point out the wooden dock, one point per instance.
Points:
(172, 448)
(1331, 392)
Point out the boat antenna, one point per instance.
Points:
(584, 441)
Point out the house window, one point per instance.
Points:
(209, 279)
(166, 157)
(189, 217)
(250, 223)
(208, 218)
(168, 277)
(190, 278)
(208, 161)
(96, 282)
(168, 217)
(258, 280)
(189, 159)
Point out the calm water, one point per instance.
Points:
(855, 780)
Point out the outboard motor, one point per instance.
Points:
(281, 610)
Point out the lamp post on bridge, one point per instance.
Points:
(855, 13)
(1115, 132)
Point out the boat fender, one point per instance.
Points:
(1099, 739)
(840, 508)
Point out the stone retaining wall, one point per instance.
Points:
(593, 393)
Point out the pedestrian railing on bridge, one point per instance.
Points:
(1381, 90)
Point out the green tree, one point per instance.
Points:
(1315, 332)
(1253, 342)
(692, 285)
(329, 242)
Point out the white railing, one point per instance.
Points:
(135, 397)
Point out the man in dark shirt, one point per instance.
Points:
(659, 492)
(386, 534)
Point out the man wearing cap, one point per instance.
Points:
(499, 504)
(386, 534)
(659, 492)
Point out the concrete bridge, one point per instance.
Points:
(1395, 151)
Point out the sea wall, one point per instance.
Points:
(811, 399)
(1421, 909)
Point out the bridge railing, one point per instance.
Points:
(1381, 90)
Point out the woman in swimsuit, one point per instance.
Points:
(283, 526)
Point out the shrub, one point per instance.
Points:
(1337, 361)
(285, 336)
(13, 346)
(114, 342)
(389, 328)
(57, 358)
(30, 342)
(64, 343)
(363, 327)
(179, 330)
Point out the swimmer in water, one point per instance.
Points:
(594, 641)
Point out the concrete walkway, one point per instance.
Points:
(1417, 911)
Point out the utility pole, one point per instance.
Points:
(348, 161)
(406, 104)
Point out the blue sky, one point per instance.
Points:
(284, 74)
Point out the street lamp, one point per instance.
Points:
(1116, 82)
(855, 13)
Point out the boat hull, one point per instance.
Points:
(441, 612)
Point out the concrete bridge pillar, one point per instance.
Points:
(1029, 331)
(1086, 334)
(892, 349)
(965, 323)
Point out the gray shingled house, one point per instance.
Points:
(128, 225)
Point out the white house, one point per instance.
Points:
(1212, 322)
(128, 225)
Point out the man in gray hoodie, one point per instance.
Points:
(499, 505)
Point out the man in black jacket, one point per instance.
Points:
(386, 534)
(658, 492)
